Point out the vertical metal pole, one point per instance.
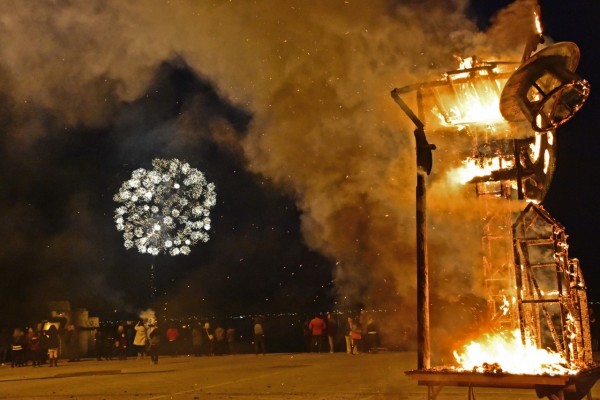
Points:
(423, 346)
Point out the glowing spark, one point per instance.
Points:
(165, 210)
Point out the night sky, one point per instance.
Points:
(285, 106)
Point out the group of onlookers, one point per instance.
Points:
(143, 339)
(35, 346)
(44, 346)
(320, 330)
(209, 342)
(146, 338)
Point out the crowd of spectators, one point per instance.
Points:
(138, 339)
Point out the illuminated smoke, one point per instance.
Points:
(148, 315)
(165, 210)
(316, 77)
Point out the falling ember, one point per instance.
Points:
(505, 352)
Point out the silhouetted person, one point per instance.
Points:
(17, 354)
(207, 340)
(219, 340)
(231, 340)
(4, 345)
(72, 342)
(53, 344)
(259, 335)
(121, 342)
(154, 338)
(348, 334)
(331, 331)
(100, 345)
(34, 347)
(307, 335)
(197, 340)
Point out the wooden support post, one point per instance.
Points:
(423, 345)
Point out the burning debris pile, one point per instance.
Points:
(503, 116)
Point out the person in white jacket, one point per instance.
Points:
(140, 339)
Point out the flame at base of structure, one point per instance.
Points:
(505, 352)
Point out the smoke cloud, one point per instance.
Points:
(315, 78)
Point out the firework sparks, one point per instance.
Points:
(165, 210)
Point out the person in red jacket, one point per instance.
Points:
(172, 339)
(317, 327)
(35, 347)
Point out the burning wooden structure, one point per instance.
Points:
(504, 114)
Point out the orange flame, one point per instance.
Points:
(538, 23)
(474, 168)
(476, 95)
(510, 355)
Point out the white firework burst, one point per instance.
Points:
(165, 210)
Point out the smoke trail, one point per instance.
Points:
(316, 78)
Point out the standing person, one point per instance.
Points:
(348, 334)
(219, 340)
(4, 345)
(139, 340)
(231, 340)
(154, 338)
(197, 340)
(99, 344)
(372, 339)
(259, 335)
(34, 346)
(172, 337)
(317, 328)
(121, 342)
(331, 331)
(356, 336)
(17, 354)
(28, 336)
(53, 344)
(72, 342)
(110, 344)
(207, 340)
(307, 334)
(43, 346)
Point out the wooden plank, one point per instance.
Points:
(487, 380)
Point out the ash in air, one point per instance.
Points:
(165, 210)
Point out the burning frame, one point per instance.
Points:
(536, 294)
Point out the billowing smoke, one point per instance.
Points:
(315, 77)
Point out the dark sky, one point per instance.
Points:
(296, 136)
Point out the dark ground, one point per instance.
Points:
(290, 376)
